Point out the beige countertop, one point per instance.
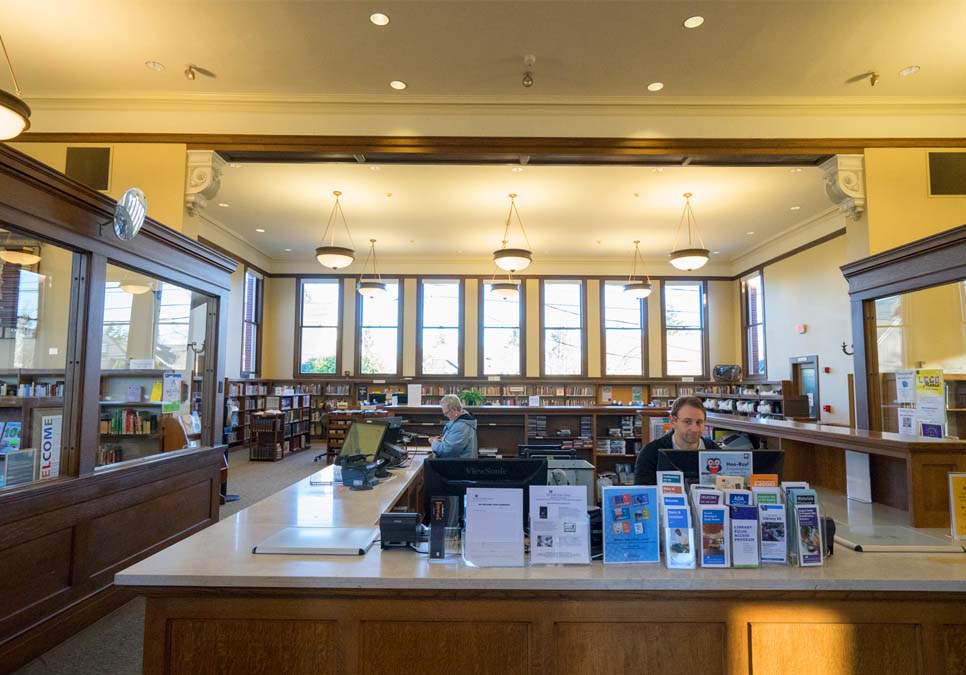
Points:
(221, 556)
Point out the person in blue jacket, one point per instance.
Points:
(458, 440)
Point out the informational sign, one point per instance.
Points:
(414, 394)
(631, 533)
(957, 504)
(50, 446)
(907, 421)
(712, 463)
(172, 387)
(606, 393)
(929, 382)
(494, 527)
(906, 386)
(559, 525)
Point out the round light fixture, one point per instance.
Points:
(506, 290)
(14, 116)
(638, 289)
(398, 85)
(655, 86)
(693, 21)
(688, 259)
(749, 233)
(794, 208)
(512, 259)
(258, 229)
(909, 70)
(371, 289)
(287, 250)
(379, 19)
(334, 257)
(22, 258)
(156, 66)
(517, 169)
(135, 289)
(224, 205)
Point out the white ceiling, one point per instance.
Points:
(569, 212)
(584, 50)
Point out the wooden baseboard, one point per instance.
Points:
(31, 643)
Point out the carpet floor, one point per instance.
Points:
(112, 645)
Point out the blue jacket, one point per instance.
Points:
(458, 440)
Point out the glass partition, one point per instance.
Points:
(923, 333)
(152, 360)
(35, 292)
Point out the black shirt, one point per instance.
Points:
(652, 459)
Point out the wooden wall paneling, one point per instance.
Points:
(892, 482)
(954, 648)
(34, 571)
(929, 485)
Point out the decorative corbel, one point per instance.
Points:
(845, 183)
(204, 179)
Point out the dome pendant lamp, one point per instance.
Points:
(513, 259)
(332, 256)
(637, 289)
(371, 288)
(692, 257)
(14, 113)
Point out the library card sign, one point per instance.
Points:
(713, 463)
(631, 524)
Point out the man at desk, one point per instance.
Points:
(687, 426)
(458, 440)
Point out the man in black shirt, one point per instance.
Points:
(687, 426)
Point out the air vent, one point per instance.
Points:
(90, 166)
(947, 173)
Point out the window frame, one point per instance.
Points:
(400, 301)
(460, 282)
(258, 322)
(297, 356)
(705, 342)
(747, 376)
(481, 329)
(583, 326)
(645, 334)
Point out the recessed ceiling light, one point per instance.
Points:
(258, 229)
(288, 250)
(909, 70)
(517, 169)
(693, 21)
(379, 19)
(795, 208)
(235, 165)
(797, 169)
(655, 86)
(749, 233)
(156, 66)
(715, 252)
(657, 169)
(398, 84)
(224, 205)
(375, 168)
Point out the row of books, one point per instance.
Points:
(52, 389)
(247, 389)
(129, 422)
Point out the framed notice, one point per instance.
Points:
(957, 504)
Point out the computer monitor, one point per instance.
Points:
(363, 439)
(394, 432)
(552, 450)
(377, 398)
(686, 461)
(451, 477)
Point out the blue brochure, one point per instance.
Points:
(631, 532)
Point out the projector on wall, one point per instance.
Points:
(725, 373)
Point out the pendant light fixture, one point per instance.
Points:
(513, 259)
(505, 290)
(134, 288)
(639, 288)
(692, 257)
(371, 288)
(23, 257)
(332, 256)
(14, 113)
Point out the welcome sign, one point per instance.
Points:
(50, 446)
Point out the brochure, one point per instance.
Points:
(709, 497)
(10, 442)
(766, 495)
(808, 535)
(696, 488)
(774, 545)
(559, 525)
(729, 482)
(715, 547)
(678, 538)
(763, 480)
(793, 498)
(444, 517)
(738, 497)
(744, 536)
(494, 527)
(712, 463)
(631, 524)
(670, 482)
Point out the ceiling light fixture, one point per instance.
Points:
(23, 257)
(513, 259)
(379, 19)
(794, 208)
(528, 62)
(909, 70)
(398, 85)
(156, 66)
(259, 230)
(224, 205)
(135, 288)
(371, 288)
(642, 288)
(517, 169)
(190, 72)
(505, 290)
(332, 256)
(692, 257)
(693, 21)
(287, 250)
(655, 86)
(14, 113)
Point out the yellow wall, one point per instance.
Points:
(159, 169)
(900, 209)
(278, 345)
(935, 328)
(809, 289)
(723, 323)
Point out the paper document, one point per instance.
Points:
(494, 527)
(559, 525)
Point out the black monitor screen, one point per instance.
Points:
(394, 430)
(451, 477)
(363, 439)
(686, 461)
(377, 398)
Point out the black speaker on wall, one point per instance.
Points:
(90, 166)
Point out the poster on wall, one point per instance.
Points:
(905, 386)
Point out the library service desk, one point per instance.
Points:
(214, 607)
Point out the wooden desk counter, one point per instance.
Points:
(907, 472)
(214, 607)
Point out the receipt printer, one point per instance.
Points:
(399, 529)
(358, 473)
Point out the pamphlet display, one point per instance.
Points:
(715, 544)
(10, 441)
(494, 527)
(17, 467)
(808, 535)
(670, 482)
(795, 497)
(744, 536)
(763, 480)
(559, 525)
(630, 521)
(444, 517)
(738, 497)
(766, 495)
(957, 504)
(774, 543)
(679, 550)
(712, 463)
(729, 482)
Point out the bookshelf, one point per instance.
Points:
(760, 399)
(131, 423)
(243, 398)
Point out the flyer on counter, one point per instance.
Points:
(957, 504)
(713, 530)
(679, 550)
(906, 386)
(631, 532)
(559, 525)
(670, 482)
(494, 527)
(766, 495)
(774, 543)
(744, 536)
(712, 463)
(907, 421)
(808, 535)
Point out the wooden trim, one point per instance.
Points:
(797, 361)
(481, 321)
(92, 324)
(460, 360)
(583, 329)
(297, 336)
(234, 256)
(743, 301)
(258, 322)
(795, 251)
(400, 301)
(645, 360)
